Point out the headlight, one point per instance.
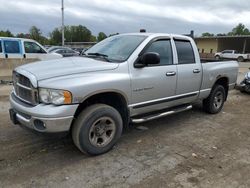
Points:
(54, 96)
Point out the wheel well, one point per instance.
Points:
(223, 81)
(113, 99)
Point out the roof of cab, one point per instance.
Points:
(159, 35)
(14, 38)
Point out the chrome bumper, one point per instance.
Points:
(42, 118)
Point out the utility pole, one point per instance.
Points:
(62, 22)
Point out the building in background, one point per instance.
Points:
(208, 46)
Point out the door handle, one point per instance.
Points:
(196, 71)
(171, 73)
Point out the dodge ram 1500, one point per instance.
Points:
(124, 79)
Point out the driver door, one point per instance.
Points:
(152, 85)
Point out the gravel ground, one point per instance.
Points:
(191, 149)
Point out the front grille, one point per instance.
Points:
(24, 89)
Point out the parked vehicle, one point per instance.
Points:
(67, 52)
(24, 48)
(53, 48)
(232, 54)
(78, 49)
(245, 84)
(84, 50)
(128, 78)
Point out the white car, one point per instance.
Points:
(15, 48)
(232, 54)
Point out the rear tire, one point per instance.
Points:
(215, 101)
(240, 59)
(97, 129)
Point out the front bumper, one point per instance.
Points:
(42, 118)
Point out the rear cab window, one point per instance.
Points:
(12, 47)
(185, 52)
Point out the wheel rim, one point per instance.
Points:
(102, 132)
(218, 100)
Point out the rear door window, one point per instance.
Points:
(185, 52)
(12, 47)
(31, 47)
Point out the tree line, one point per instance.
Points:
(81, 33)
(238, 30)
(72, 33)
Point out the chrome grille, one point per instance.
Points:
(23, 89)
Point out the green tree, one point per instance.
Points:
(207, 34)
(101, 36)
(72, 34)
(221, 34)
(6, 33)
(77, 34)
(56, 36)
(35, 33)
(23, 35)
(113, 34)
(93, 38)
(240, 29)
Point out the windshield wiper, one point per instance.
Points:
(98, 54)
(104, 56)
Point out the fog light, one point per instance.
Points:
(39, 125)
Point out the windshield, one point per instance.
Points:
(116, 48)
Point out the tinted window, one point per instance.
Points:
(11, 47)
(70, 51)
(185, 52)
(227, 52)
(1, 47)
(60, 51)
(163, 48)
(31, 47)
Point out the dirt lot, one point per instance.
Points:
(192, 149)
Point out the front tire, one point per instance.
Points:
(97, 129)
(217, 57)
(215, 101)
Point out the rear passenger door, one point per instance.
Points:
(189, 72)
(12, 49)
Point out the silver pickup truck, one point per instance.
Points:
(125, 79)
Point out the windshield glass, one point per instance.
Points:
(116, 48)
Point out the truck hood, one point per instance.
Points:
(66, 66)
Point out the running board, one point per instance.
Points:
(162, 114)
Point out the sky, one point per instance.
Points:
(122, 16)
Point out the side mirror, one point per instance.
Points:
(149, 58)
